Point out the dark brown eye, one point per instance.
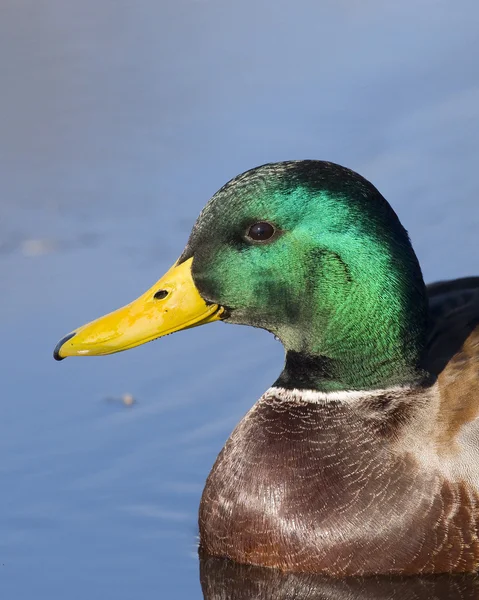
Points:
(260, 232)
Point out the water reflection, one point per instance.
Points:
(224, 580)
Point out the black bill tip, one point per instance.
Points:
(56, 352)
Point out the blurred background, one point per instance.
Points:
(118, 120)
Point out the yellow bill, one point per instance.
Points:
(172, 304)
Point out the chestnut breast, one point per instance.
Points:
(320, 488)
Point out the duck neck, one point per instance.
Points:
(303, 371)
(366, 332)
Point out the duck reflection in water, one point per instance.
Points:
(222, 579)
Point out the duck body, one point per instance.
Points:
(342, 490)
(363, 457)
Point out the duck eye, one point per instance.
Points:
(260, 232)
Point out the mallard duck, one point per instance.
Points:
(363, 457)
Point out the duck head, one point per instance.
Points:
(307, 250)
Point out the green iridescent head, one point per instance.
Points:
(312, 252)
(308, 250)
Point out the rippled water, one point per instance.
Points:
(118, 120)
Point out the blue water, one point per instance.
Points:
(118, 120)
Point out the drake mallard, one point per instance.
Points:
(363, 457)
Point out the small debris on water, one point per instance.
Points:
(38, 247)
(128, 399)
(125, 399)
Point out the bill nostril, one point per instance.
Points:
(161, 294)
